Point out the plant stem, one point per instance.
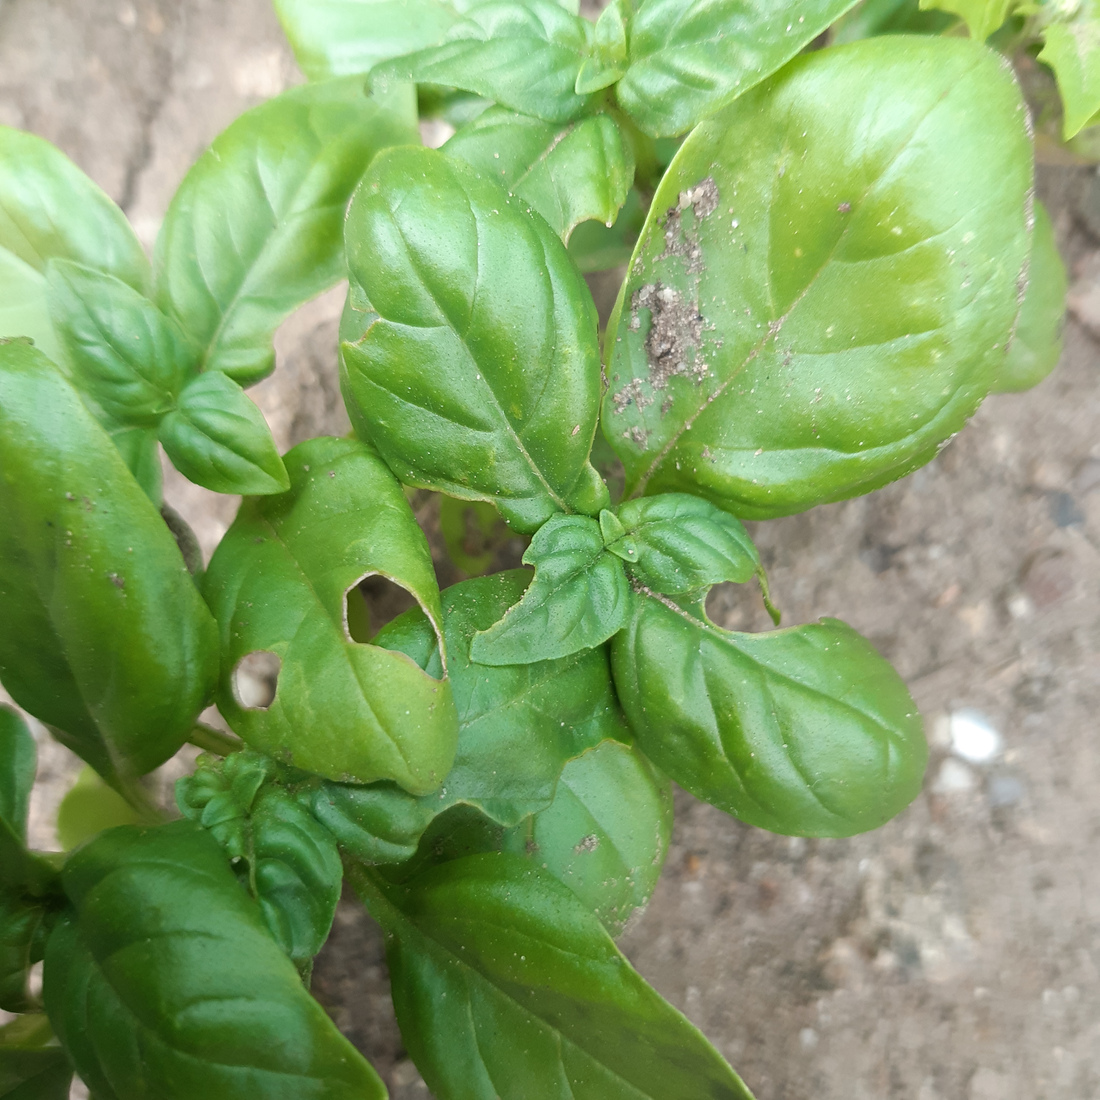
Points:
(211, 740)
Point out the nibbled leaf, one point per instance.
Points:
(285, 859)
(218, 438)
(503, 978)
(982, 17)
(106, 638)
(518, 724)
(278, 584)
(1037, 342)
(828, 279)
(578, 599)
(569, 174)
(32, 1066)
(595, 247)
(165, 984)
(805, 731)
(1071, 47)
(522, 54)
(688, 58)
(606, 834)
(255, 228)
(130, 357)
(50, 210)
(469, 352)
(378, 824)
(89, 807)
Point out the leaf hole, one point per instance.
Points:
(371, 603)
(256, 679)
(737, 607)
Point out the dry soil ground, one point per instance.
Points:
(953, 955)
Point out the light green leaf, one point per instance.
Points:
(502, 977)
(378, 824)
(165, 984)
(139, 450)
(827, 281)
(218, 438)
(278, 584)
(568, 174)
(32, 1067)
(1072, 50)
(522, 54)
(609, 61)
(805, 731)
(518, 724)
(1037, 342)
(255, 228)
(106, 638)
(89, 807)
(688, 58)
(982, 17)
(578, 599)
(873, 17)
(470, 356)
(606, 834)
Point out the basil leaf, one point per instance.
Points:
(501, 977)
(688, 59)
(595, 247)
(606, 834)
(89, 807)
(568, 174)
(578, 599)
(126, 354)
(139, 450)
(982, 17)
(805, 731)
(376, 825)
(609, 61)
(870, 291)
(22, 926)
(1072, 49)
(18, 761)
(522, 54)
(470, 356)
(31, 1066)
(472, 533)
(165, 985)
(255, 228)
(50, 210)
(106, 638)
(889, 17)
(218, 438)
(1037, 342)
(518, 724)
(278, 583)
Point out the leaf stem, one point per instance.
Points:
(211, 740)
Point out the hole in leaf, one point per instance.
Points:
(256, 679)
(384, 600)
(737, 607)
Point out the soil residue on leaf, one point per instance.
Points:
(675, 334)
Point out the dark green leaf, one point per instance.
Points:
(50, 210)
(166, 985)
(518, 724)
(21, 919)
(89, 807)
(828, 279)
(1037, 342)
(606, 833)
(255, 228)
(688, 58)
(18, 760)
(377, 824)
(278, 584)
(578, 599)
(218, 438)
(470, 357)
(568, 174)
(505, 983)
(31, 1066)
(522, 54)
(106, 638)
(805, 731)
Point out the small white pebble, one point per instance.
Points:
(973, 737)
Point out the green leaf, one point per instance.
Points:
(218, 438)
(568, 174)
(106, 638)
(23, 924)
(31, 1066)
(688, 58)
(606, 834)
(278, 583)
(522, 54)
(982, 17)
(503, 982)
(1037, 342)
(470, 356)
(472, 532)
(379, 824)
(18, 761)
(50, 210)
(89, 807)
(609, 62)
(595, 247)
(130, 357)
(827, 281)
(518, 724)
(166, 985)
(255, 228)
(578, 599)
(139, 450)
(1072, 50)
(874, 17)
(805, 731)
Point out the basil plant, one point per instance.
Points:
(832, 255)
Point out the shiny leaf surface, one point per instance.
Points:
(470, 356)
(378, 824)
(827, 283)
(277, 584)
(805, 731)
(165, 984)
(255, 228)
